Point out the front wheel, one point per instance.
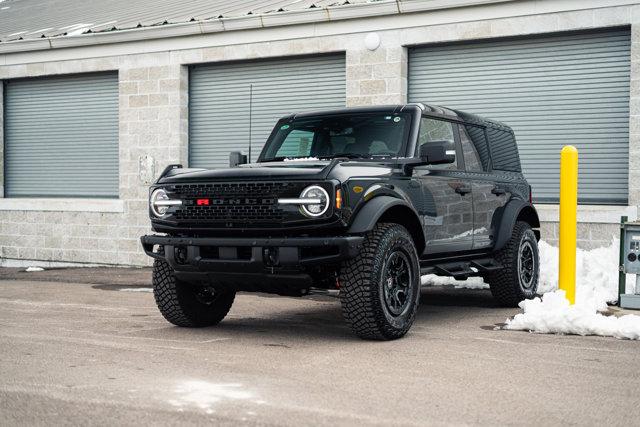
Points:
(380, 288)
(518, 280)
(188, 305)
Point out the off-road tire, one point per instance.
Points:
(179, 304)
(506, 284)
(362, 288)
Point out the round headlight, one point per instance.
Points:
(321, 202)
(159, 209)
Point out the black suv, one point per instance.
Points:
(360, 200)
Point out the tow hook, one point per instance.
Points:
(270, 257)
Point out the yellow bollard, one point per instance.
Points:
(568, 214)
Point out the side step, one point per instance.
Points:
(462, 270)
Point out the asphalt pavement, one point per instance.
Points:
(89, 347)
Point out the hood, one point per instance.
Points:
(260, 171)
(276, 171)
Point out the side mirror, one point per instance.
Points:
(237, 158)
(438, 152)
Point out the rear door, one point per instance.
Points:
(488, 194)
(447, 208)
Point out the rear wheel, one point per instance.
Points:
(188, 305)
(518, 280)
(380, 288)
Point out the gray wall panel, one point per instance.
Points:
(219, 101)
(61, 136)
(552, 90)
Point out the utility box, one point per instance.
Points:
(630, 257)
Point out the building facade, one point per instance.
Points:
(89, 120)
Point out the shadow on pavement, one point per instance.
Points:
(449, 296)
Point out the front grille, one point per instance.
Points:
(244, 212)
(234, 203)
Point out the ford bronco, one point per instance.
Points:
(360, 200)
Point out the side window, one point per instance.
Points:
(479, 139)
(471, 158)
(504, 151)
(296, 144)
(437, 130)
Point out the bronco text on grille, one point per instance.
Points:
(233, 202)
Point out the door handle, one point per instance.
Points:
(498, 191)
(463, 190)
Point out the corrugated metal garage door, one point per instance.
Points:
(61, 136)
(554, 90)
(219, 101)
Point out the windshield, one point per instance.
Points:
(349, 135)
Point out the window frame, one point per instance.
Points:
(461, 167)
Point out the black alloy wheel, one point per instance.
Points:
(396, 282)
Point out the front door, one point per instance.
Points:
(447, 203)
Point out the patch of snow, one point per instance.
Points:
(32, 269)
(204, 395)
(553, 314)
(136, 289)
(471, 283)
(78, 31)
(301, 159)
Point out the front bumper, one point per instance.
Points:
(251, 255)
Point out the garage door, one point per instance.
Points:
(555, 90)
(61, 136)
(230, 103)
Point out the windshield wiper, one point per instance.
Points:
(332, 156)
(347, 155)
(275, 159)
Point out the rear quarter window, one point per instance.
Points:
(504, 151)
(478, 137)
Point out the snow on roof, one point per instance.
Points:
(32, 19)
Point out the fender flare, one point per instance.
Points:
(368, 216)
(514, 210)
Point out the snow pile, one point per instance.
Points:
(553, 314)
(596, 271)
(32, 269)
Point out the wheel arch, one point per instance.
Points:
(389, 209)
(514, 211)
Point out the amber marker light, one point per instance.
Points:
(338, 198)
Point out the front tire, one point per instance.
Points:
(380, 288)
(518, 280)
(188, 305)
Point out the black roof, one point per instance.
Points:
(428, 108)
